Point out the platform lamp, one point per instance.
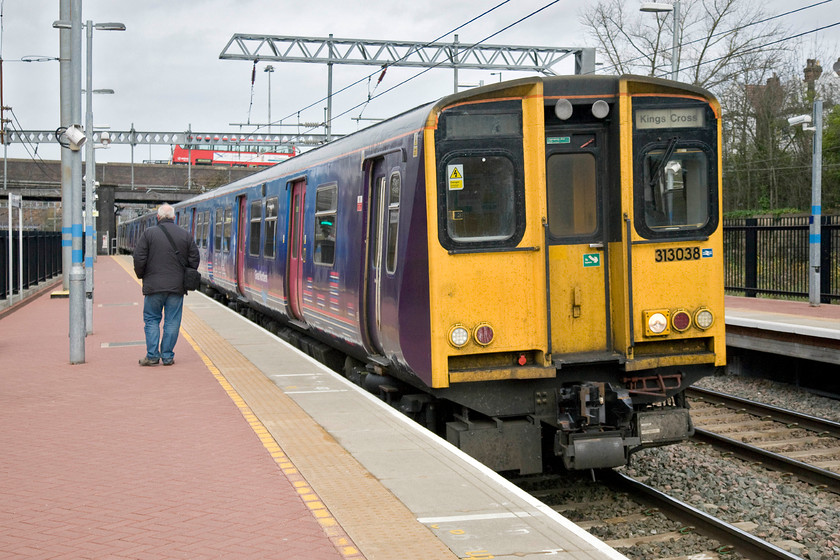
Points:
(661, 7)
(90, 165)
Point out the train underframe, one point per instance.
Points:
(587, 417)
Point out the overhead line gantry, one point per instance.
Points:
(331, 50)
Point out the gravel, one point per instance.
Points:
(789, 513)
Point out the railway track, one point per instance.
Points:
(808, 447)
(643, 522)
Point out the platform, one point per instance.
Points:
(787, 328)
(245, 448)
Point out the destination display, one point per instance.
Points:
(693, 117)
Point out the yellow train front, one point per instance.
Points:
(575, 265)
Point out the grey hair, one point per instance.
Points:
(166, 212)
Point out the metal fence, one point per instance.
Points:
(770, 256)
(41, 259)
(762, 256)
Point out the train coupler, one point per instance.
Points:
(597, 450)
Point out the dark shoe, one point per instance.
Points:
(145, 361)
(168, 363)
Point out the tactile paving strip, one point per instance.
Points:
(379, 524)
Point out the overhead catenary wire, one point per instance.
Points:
(359, 81)
(728, 31)
(425, 70)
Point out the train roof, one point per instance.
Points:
(553, 86)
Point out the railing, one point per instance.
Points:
(768, 256)
(41, 259)
(771, 256)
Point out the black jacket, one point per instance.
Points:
(157, 264)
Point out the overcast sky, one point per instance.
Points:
(167, 75)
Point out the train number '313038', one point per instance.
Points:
(678, 254)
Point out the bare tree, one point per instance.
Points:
(718, 39)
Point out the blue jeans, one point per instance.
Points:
(168, 306)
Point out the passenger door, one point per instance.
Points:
(241, 245)
(577, 243)
(377, 203)
(297, 250)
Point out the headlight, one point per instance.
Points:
(704, 318)
(459, 336)
(656, 322)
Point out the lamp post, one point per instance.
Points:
(90, 167)
(270, 70)
(660, 7)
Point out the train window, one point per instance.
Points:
(326, 204)
(393, 222)
(199, 224)
(217, 243)
(676, 188)
(254, 232)
(480, 199)
(205, 235)
(572, 195)
(270, 227)
(227, 231)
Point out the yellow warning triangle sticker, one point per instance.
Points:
(455, 174)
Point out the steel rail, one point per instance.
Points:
(748, 545)
(790, 417)
(803, 471)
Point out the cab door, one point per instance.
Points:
(577, 243)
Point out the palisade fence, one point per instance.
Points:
(41, 259)
(762, 256)
(770, 256)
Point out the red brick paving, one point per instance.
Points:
(107, 459)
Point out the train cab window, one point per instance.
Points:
(270, 228)
(481, 191)
(675, 147)
(393, 221)
(227, 229)
(254, 231)
(676, 185)
(220, 220)
(481, 206)
(572, 195)
(326, 205)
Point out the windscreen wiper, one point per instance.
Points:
(660, 167)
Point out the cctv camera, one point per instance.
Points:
(76, 136)
(799, 119)
(105, 138)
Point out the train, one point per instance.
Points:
(231, 152)
(532, 268)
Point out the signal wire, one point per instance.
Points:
(764, 45)
(402, 83)
(765, 20)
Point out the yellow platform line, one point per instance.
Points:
(309, 497)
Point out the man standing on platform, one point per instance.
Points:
(158, 259)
